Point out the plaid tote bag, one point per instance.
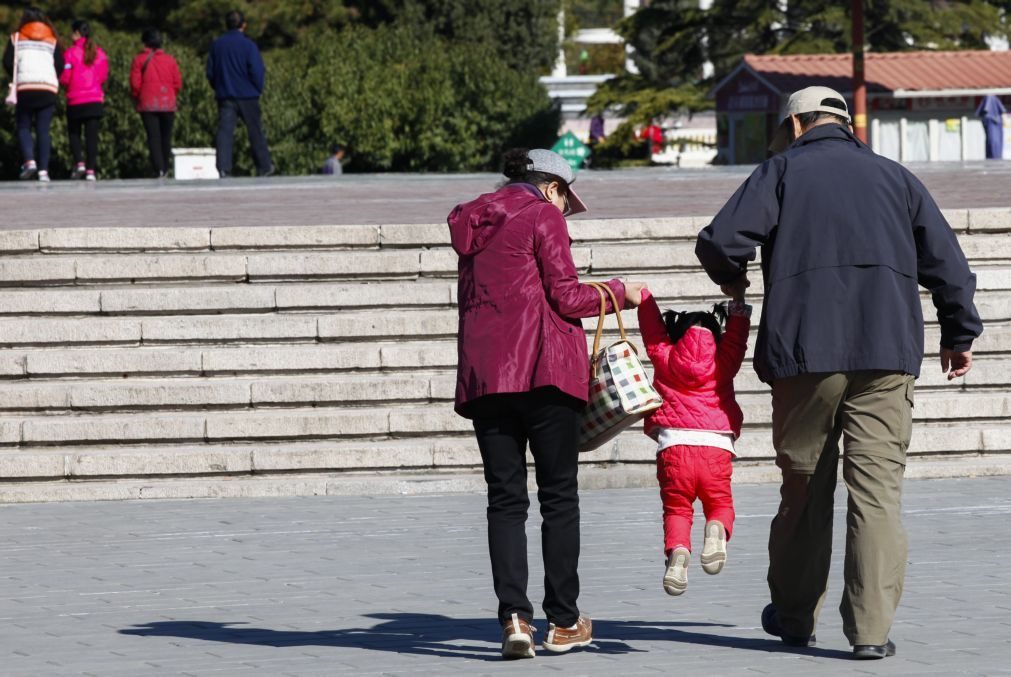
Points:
(620, 391)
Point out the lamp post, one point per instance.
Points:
(859, 80)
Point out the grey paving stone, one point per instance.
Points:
(400, 586)
(427, 199)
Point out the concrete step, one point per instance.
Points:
(195, 459)
(195, 361)
(231, 299)
(620, 255)
(300, 352)
(377, 422)
(221, 393)
(363, 325)
(930, 406)
(126, 239)
(389, 385)
(403, 481)
(76, 462)
(673, 290)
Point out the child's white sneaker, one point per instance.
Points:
(675, 579)
(714, 550)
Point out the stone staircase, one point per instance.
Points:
(178, 362)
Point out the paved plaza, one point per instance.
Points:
(416, 198)
(397, 586)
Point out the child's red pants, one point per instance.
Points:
(686, 473)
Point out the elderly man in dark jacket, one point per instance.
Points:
(236, 73)
(846, 236)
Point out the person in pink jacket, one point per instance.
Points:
(694, 363)
(84, 72)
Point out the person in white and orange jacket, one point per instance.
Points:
(34, 59)
(694, 363)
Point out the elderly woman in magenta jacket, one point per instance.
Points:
(523, 375)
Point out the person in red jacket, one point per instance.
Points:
(652, 134)
(155, 83)
(694, 364)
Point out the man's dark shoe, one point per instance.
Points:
(770, 623)
(867, 652)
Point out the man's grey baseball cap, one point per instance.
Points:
(807, 100)
(550, 162)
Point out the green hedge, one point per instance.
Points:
(400, 98)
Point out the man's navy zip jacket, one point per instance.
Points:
(846, 236)
(235, 67)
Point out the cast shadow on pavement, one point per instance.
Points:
(446, 637)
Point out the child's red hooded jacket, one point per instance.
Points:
(695, 377)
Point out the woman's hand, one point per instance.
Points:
(633, 293)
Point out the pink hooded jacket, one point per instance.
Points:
(520, 298)
(695, 376)
(83, 82)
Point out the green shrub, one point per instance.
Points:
(400, 99)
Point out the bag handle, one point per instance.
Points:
(143, 68)
(603, 289)
(600, 323)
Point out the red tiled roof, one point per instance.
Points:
(888, 71)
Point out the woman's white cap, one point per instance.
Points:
(550, 162)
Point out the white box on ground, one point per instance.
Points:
(195, 163)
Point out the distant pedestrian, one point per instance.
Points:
(155, 83)
(236, 73)
(597, 129)
(85, 71)
(652, 134)
(523, 377)
(34, 59)
(333, 166)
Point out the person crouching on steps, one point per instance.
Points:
(694, 365)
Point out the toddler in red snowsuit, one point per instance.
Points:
(694, 364)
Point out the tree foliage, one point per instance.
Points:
(523, 32)
(403, 99)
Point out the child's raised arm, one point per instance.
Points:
(733, 345)
(653, 329)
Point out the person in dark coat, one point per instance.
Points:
(155, 83)
(236, 73)
(846, 236)
(523, 375)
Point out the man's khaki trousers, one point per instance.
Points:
(872, 412)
